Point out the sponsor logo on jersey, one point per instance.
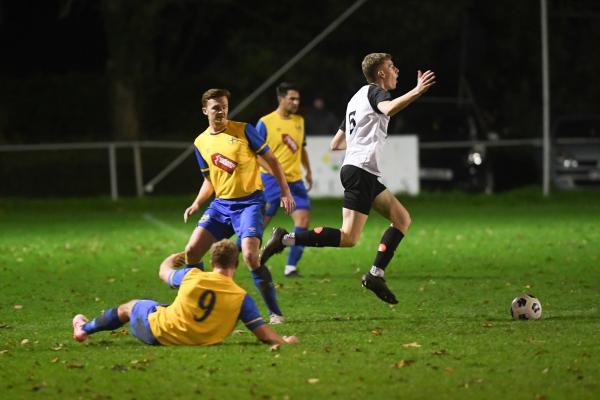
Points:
(205, 218)
(289, 142)
(226, 164)
(252, 229)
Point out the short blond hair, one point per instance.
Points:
(371, 64)
(224, 254)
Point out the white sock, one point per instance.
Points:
(289, 268)
(289, 239)
(375, 271)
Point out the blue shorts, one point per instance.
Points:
(138, 321)
(243, 216)
(273, 194)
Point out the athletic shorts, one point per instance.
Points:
(138, 321)
(273, 194)
(243, 216)
(360, 188)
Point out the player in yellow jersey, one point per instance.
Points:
(205, 311)
(227, 152)
(284, 132)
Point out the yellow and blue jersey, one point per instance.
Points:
(229, 159)
(205, 311)
(285, 138)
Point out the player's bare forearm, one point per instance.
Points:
(277, 172)
(264, 164)
(339, 141)
(306, 161)
(267, 335)
(205, 192)
(424, 81)
(307, 169)
(170, 264)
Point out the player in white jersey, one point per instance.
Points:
(362, 134)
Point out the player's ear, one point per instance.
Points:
(204, 111)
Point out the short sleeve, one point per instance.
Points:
(343, 125)
(376, 95)
(256, 140)
(201, 162)
(261, 128)
(249, 313)
(176, 277)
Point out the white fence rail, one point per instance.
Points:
(136, 148)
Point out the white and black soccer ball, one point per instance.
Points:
(526, 306)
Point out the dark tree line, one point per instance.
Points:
(126, 70)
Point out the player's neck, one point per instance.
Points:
(283, 113)
(382, 85)
(217, 128)
(228, 272)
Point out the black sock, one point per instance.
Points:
(319, 237)
(264, 283)
(389, 242)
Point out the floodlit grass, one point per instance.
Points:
(451, 336)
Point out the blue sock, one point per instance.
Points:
(238, 242)
(264, 283)
(199, 265)
(296, 251)
(107, 321)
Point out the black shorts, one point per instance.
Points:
(360, 188)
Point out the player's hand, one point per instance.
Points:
(287, 203)
(309, 181)
(425, 80)
(189, 211)
(290, 339)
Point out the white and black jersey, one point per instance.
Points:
(365, 127)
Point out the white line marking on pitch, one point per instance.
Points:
(153, 220)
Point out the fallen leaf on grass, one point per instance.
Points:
(4, 326)
(376, 332)
(545, 370)
(274, 348)
(442, 352)
(312, 381)
(119, 368)
(18, 306)
(238, 332)
(24, 342)
(2, 352)
(55, 360)
(411, 345)
(75, 365)
(487, 325)
(449, 370)
(403, 363)
(58, 347)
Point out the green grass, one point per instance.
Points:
(455, 275)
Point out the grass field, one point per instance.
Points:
(451, 335)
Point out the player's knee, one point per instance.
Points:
(190, 252)
(349, 239)
(251, 259)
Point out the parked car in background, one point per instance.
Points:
(576, 152)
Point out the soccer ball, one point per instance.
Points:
(526, 306)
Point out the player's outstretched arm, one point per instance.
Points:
(169, 265)
(206, 190)
(267, 335)
(424, 81)
(339, 141)
(287, 201)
